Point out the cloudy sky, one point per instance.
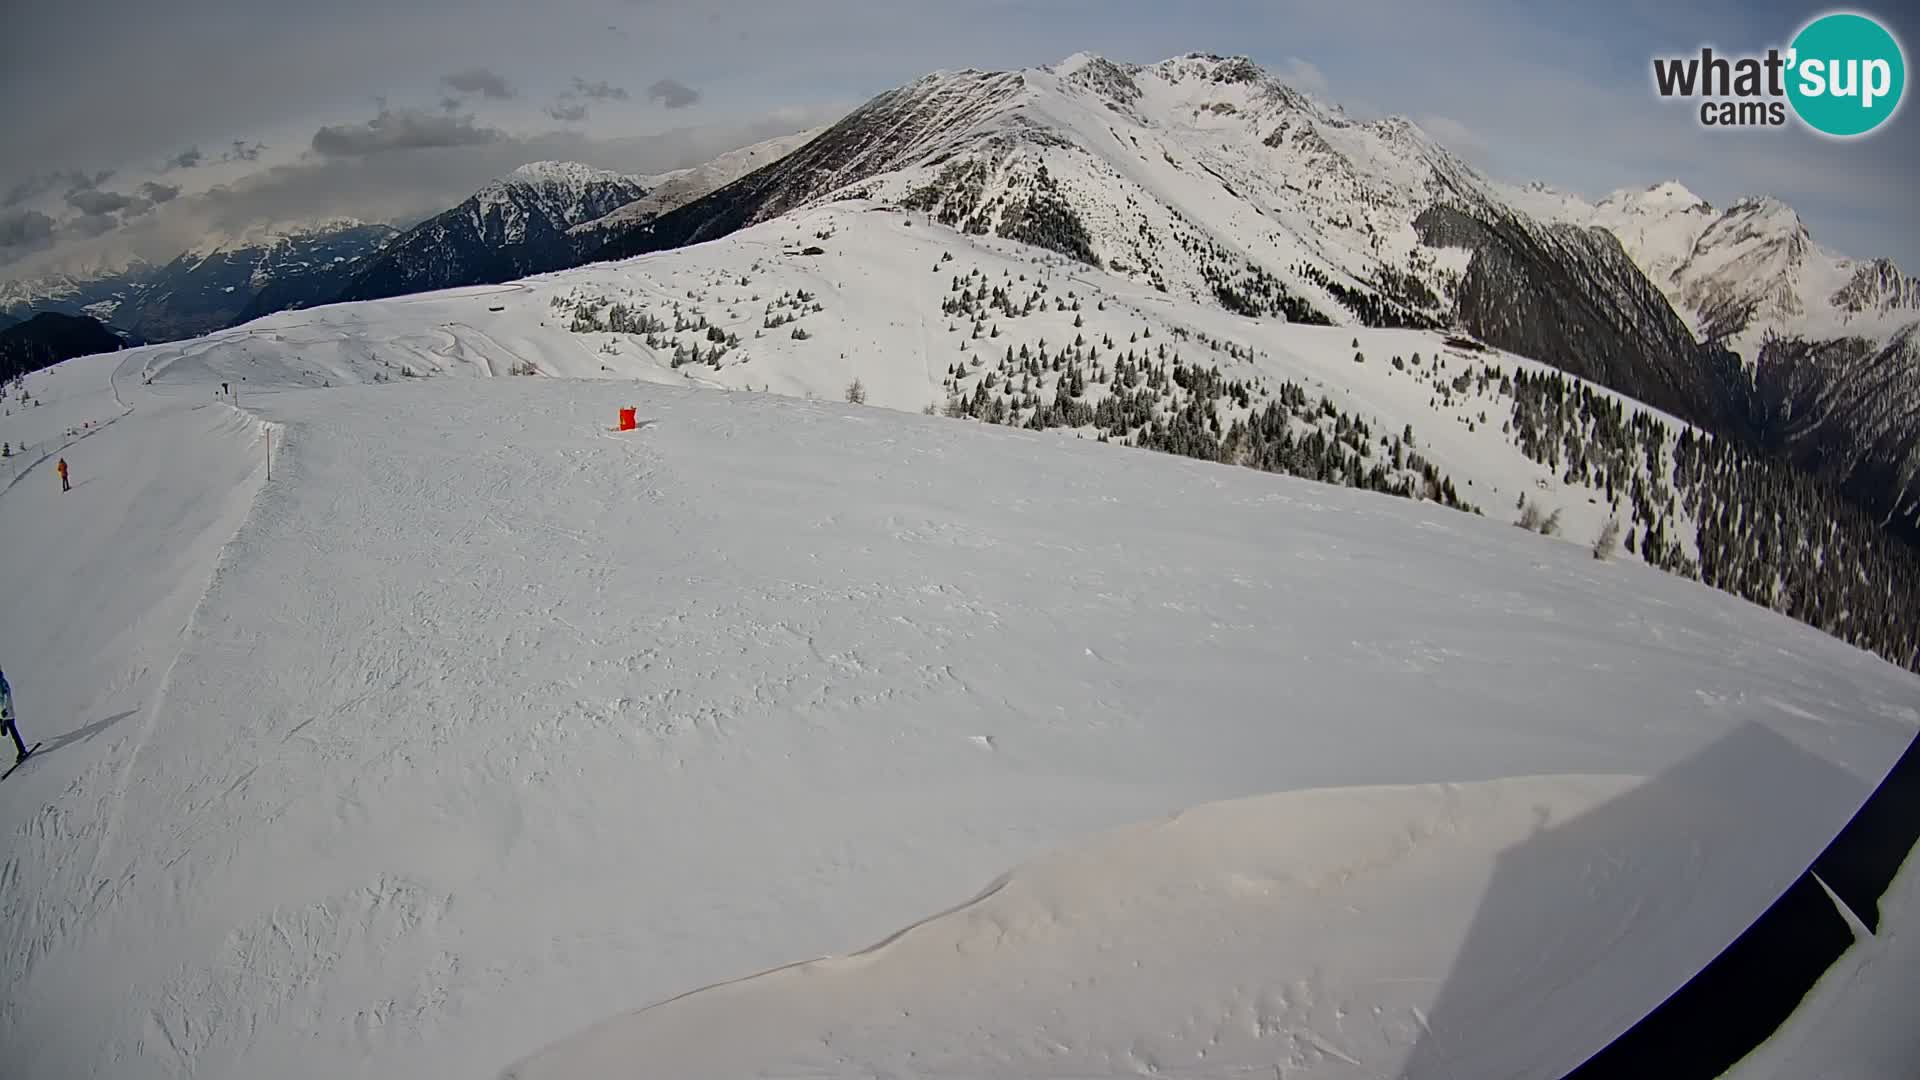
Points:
(148, 127)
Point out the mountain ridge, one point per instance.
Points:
(512, 226)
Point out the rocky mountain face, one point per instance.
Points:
(1527, 284)
(1828, 375)
(894, 131)
(1746, 272)
(1847, 410)
(515, 226)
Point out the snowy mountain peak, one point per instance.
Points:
(1404, 132)
(1210, 68)
(1664, 197)
(513, 226)
(1768, 214)
(562, 172)
(1076, 63)
(560, 187)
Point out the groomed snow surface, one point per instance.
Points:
(480, 734)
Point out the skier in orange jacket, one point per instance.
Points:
(62, 470)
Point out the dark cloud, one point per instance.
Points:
(39, 184)
(90, 200)
(73, 180)
(23, 231)
(193, 157)
(600, 90)
(400, 129)
(672, 93)
(398, 187)
(159, 193)
(89, 225)
(450, 104)
(80, 181)
(571, 109)
(479, 80)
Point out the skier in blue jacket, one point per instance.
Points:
(7, 718)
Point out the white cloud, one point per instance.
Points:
(1453, 134)
(1303, 75)
(22, 232)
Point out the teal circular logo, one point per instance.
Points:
(1846, 74)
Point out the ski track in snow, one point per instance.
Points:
(480, 725)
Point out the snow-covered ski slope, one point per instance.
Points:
(480, 727)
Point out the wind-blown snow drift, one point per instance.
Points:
(1330, 933)
(479, 725)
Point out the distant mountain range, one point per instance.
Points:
(219, 283)
(545, 216)
(542, 216)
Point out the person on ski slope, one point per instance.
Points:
(62, 470)
(10, 721)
